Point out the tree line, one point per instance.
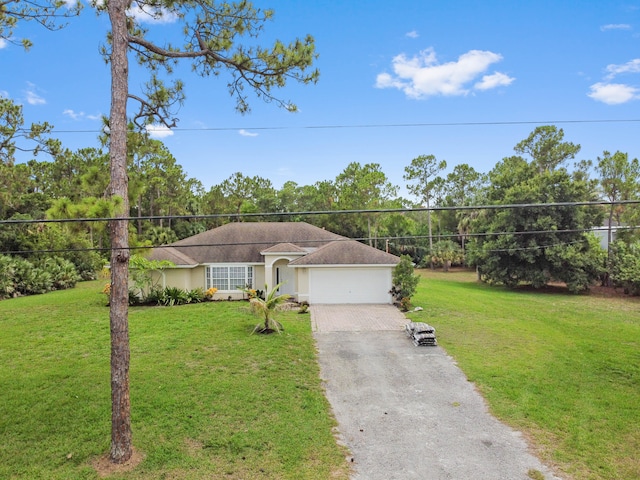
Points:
(544, 169)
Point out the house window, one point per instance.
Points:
(227, 278)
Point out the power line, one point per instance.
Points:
(317, 212)
(343, 239)
(383, 125)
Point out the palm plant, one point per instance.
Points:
(266, 308)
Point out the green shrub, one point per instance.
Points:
(19, 276)
(168, 296)
(87, 264)
(155, 296)
(175, 296)
(7, 274)
(63, 273)
(405, 304)
(31, 280)
(134, 298)
(625, 271)
(196, 295)
(405, 282)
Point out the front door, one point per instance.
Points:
(285, 275)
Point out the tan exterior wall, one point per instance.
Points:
(303, 284)
(197, 277)
(184, 278)
(258, 277)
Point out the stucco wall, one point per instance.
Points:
(302, 286)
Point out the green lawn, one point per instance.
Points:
(563, 369)
(209, 400)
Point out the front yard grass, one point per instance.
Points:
(209, 400)
(563, 369)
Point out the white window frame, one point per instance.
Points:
(238, 274)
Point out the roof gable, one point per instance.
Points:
(284, 248)
(346, 252)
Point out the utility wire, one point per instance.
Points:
(392, 239)
(381, 125)
(321, 212)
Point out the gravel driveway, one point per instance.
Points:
(409, 412)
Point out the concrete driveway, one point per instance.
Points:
(409, 412)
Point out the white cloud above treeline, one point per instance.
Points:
(422, 75)
(616, 93)
(613, 93)
(31, 95)
(79, 115)
(246, 133)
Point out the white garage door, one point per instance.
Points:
(349, 285)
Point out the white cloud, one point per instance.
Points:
(421, 76)
(32, 97)
(632, 66)
(246, 133)
(613, 93)
(3, 43)
(80, 115)
(151, 14)
(159, 131)
(615, 26)
(616, 93)
(412, 34)
(74, 115)
(492, 81)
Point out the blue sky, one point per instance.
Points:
(462, 80)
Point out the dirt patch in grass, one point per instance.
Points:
(105, 467)
(608, 292)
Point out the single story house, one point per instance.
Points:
(310, 263)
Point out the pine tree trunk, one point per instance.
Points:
(121, 448)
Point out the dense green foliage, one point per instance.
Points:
(532, 245)
(563, 369)
(21, 277)
(625, 260)
(446, 253)
(541, 244)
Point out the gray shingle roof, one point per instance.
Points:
(173, 255)
(346, 252)
(242, 242)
